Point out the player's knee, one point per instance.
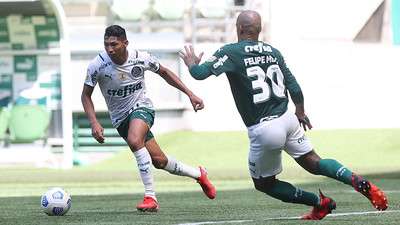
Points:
(135, 143)
(313, 167)
(310, 162)
(264, 184)
(159, 162)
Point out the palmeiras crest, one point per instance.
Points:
(137, 71)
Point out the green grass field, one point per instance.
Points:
(107, 192)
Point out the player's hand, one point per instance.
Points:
(98, 132)
(304, 121)
(197, 102)
(189, 57)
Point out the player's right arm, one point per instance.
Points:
(214, 65)
(88, 106)
(97, 129)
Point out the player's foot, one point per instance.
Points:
(325, 207)
(205, 184)
(377, 197)
(149, 204)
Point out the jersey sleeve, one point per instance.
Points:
(290, 81)
(91, 75)
(151, 62)
(219, 62)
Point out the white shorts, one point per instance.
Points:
(269, 138)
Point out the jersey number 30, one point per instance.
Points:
(274, 74)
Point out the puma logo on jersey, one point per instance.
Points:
(108, 76)
(125, 91)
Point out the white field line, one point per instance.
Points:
(355, 192)
(290, 218)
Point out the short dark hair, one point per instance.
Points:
(116, 31)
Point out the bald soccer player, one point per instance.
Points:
(260, 82)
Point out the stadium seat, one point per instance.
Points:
(28, 123)
(130, 9)
(4, 101)
(171, 9)
(34, 95)
(82, 135)
(26, 101)
(4, 114)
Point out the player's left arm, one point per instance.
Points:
(296, 93)
(172, 79)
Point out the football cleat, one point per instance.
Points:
(377, 197)
(325, 207)
(208, 188)
(149, 204)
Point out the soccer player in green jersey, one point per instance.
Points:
(119, 72)
(260, 82)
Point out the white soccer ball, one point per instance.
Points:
(55, 202)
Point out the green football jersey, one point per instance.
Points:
(258, 77)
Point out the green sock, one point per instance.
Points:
(286, 192)
(333, 169)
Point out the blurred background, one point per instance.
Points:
(344, 54)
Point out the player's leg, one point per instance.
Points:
(285, 191)
(136, 137)
(173, 166)
(326, 167)
(266, 141)
(334, 169)
(297, 145)
(134, 130)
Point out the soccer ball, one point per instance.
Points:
(55, 202)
